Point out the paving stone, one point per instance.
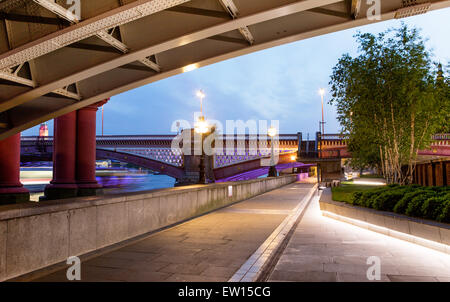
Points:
(189, 269)
(219, 271)
(345, 277)
(194, 278)
(321, 238)
(284, 275)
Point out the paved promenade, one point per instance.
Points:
(215, 246)
(323, 249)
(209, 248)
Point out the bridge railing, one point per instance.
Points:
(320, 154)
(441, 136)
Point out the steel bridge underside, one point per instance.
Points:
(53, 62)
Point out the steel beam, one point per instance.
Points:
(83, 30)
(189, 38)
(58, 10)
(149, 63)
(13, 77)
(231, 8)
(199, 12)
(105, 36)
(355, 8)
(178, 45)
(30, 19)
(330, 12)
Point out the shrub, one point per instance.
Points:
(444, 216)
(356, 198)
(415, 205)
(368, 197)
(432, 207)
(412, 200)
(402, 204)
(386, 200)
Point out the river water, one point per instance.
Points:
(114, 180)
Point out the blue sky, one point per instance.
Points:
(280, 83)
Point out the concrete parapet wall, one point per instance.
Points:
(423, 232)
(37, 235)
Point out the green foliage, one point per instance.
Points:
(415, 205)
(413, 200)
(344, 192)
(432, 207)
(390, 100)
(402, 204)
(444, 216)
(387, 200)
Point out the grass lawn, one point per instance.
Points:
(370, 176)
(344, 192)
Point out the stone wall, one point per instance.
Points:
(36, 235)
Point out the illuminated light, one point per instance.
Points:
(293, 157)
(272, 131)
(391, 233)
(370, 183)
(200, 94)
(201, 126)
(322, 91)
(190, 67)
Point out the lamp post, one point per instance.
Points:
(272, 170)
(322, 93)
(293, 159)
(102, 118)
(201, 95)
(201, 127)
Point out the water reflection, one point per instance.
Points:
(35, 176)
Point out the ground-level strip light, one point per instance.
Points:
(370, 183)
(412, 10)
(441, 247)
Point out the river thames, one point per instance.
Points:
(114, 179)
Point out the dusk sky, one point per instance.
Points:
(279, 83)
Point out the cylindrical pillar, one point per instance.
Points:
(86, 151)
(11, 190)
(64, 156)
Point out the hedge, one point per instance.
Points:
(416, 201)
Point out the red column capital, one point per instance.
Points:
(95, 106)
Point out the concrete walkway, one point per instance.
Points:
(215, 246)
(209, 248)
(323, 249)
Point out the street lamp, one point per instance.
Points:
(201, 95)
(293, 158)
(322, 93)
(272, 132)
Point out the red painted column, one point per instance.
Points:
(64, 155)
(11, 190)
(86, 150)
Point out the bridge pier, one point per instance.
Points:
(63, 184)
(11, 189)
(74, 152)
(86, 151)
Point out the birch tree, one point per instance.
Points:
(390, 100)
